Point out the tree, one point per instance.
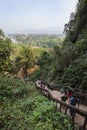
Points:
(5, 50)
(1, 33)
(77, 22)
(70, 26)
(44, 59)
(26, 59)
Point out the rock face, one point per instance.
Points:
(21, 73)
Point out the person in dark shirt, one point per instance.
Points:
(77, 100)
(73, 102)
(64, 97)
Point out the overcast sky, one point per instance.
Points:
(21, 16)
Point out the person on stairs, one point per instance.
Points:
(73, 101)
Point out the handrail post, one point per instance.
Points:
(56, 105)
(48, 96)
(73, 118)
(60, 107)
(66, 111)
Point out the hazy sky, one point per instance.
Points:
(23, 15)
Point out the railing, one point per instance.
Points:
(77, 93)
(56, 87)
(48, 94)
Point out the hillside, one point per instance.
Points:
(67, 63)
(64, 63)
(52, 59)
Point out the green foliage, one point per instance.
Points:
(46, 118)
(44, 59)
(25, 59)
(5, 50)
(44, 66)
(1, 33)
(43, 41)
(26, 54)
(38, 51)
(70, 64)
(66, 65)
(78, 22)
(22, 107)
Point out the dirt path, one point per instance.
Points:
(79, 120)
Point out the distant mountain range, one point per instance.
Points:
(49, 30)
(45, 31)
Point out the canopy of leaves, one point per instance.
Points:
(22, 107)
(78, 22)
(38, 40)
(5, 50)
